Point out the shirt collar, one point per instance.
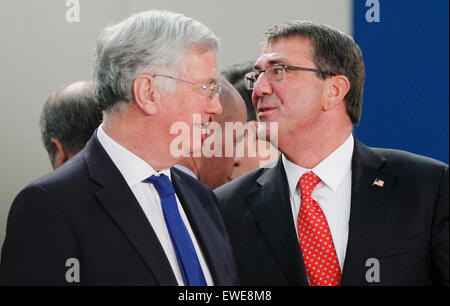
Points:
(133, 169)
(332, 170)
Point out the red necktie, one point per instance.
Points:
(319, 255)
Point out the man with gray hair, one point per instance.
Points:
(68, 119)
(116, 214)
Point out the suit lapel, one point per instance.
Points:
(368, 205)
(271, 207)
(203, 225)
(119, 201)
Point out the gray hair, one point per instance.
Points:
(147, 42)
(70, 116)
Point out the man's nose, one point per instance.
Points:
(262, 86)
(214, 106)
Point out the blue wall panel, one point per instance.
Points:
(406, 101)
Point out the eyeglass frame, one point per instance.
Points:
(215, 91)
(285, 67)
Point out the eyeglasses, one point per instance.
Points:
(208, 92)
(277, 74)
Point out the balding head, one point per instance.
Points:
(68, 119)
(233, 106)
(216, 170)
(74, 90)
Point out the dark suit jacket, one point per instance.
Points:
(85, 210)
(404, 224)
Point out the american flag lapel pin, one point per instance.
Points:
(378, 182)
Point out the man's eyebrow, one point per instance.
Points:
(213, 80)
(208, 81)
(277, 61)
(271, 62)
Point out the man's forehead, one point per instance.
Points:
(206, 76)
(267, 59)
(202, 66)
(285, 50)
(209, 75)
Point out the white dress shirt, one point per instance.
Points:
(134, 170)
(332, 193)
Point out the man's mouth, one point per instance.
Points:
(265, 110)
(203, 127)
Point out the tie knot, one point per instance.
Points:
(308, 182)
(162, 184)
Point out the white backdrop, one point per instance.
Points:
(40, 51)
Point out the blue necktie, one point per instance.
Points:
(191, 270)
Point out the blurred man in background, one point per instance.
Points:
(68, 119)
(214, 171)
(248, 162)
(235, 75)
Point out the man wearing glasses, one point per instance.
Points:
(117, 214)
(332, 211)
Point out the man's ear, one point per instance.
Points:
(61, 155)
(336, 88)
(144, 93)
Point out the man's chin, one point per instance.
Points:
(268, 131)
(263, 130)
